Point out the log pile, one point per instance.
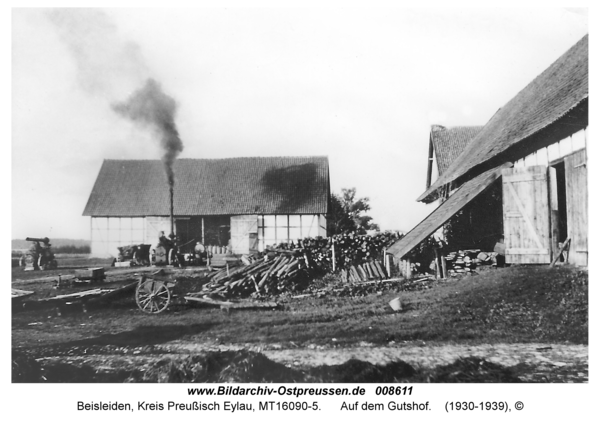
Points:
(290, 267)
(467, 261)
(354, 250)
(370, 270)
(271, 274)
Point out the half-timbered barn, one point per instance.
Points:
(534, 147)
(244, 204)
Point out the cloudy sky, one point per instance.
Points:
(361, 86)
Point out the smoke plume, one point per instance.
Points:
(150, 107)
(109, 65)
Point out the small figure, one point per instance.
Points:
(164, 241)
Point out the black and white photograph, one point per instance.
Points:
(328, 196)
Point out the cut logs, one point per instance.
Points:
(467, 261)
(270, 275)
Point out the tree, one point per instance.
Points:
(348, 213)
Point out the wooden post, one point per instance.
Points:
(444, 270)
(333, 256)
(388, 265)
(437, 263)
(203, 243)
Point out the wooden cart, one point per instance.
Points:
(153, 295)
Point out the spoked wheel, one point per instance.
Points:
(152, 296)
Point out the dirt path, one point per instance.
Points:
(551, 356)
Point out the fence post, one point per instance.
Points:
(333, 255)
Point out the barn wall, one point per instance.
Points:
(109, 233)
(154, 225)
(276, 229)
(556, 151)
(572, 150)
(257, 231)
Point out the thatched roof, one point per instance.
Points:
(449, 142)
(234, 186)
(550, 96)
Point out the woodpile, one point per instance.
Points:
(370, 270)
(467, 261)
(354, 250)
(271, 274)
(290, 267)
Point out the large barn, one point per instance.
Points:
(243, 203)
(534, 149)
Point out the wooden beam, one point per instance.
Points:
(430, 161)
(444, 269)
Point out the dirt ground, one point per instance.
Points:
(122, 339)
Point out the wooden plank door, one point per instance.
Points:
(526, 211)
(241, 228)
(577, 206)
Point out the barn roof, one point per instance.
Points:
(449, 142)
(232, 186)
(551, 95)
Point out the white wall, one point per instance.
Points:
(555, 151)
(109, 233)
(276, 229)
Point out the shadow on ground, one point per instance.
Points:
(140, 336)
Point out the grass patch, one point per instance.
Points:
(516, 304)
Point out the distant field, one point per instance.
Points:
(65, 263)
(22, 244)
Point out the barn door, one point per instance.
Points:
(182, 230)
(526, 215)
(577, 206)
(241, 228)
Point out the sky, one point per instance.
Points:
(361, 86)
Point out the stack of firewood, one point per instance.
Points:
(370, 270)
(466, 261)
(355, 250)
(289, 267)
(271, 274)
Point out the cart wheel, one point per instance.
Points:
(40, 263)
(152, 296)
